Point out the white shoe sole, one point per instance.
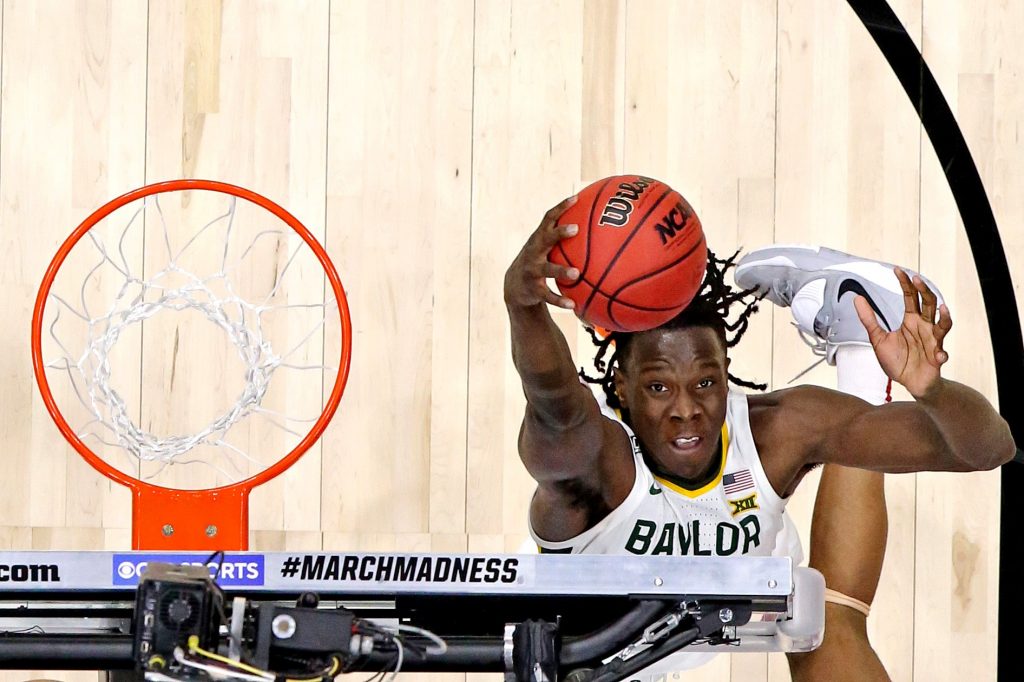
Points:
(877, 272)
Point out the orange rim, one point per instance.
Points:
(171, 186)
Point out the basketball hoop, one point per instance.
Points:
(214, 517)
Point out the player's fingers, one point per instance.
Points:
(549, 234)
(556, 300)
(553, 213)
(928, 299)
(538, 248)
(562, 272)
(867, 318)
(931, 345)
(549, 231)
(566, 231)
(944, 324)
(911, 304)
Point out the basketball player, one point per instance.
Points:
(695, 468)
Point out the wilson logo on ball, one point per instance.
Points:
(620, 205)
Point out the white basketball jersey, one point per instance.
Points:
(736, 513)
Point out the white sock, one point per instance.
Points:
(860, 374)
(807, 302)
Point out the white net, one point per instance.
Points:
(175, 337)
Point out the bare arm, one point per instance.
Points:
(952, 429)
(580, 459)
(975, 436)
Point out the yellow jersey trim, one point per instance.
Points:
(705, 488)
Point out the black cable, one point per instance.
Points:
(612, 637)
(381, 674)
(213, 580)
(219, 565)
(335, 667)
(465, 654)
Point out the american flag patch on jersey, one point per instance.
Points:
(738, 482)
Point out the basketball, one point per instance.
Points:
(640, 252)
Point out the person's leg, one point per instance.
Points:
(848, 535)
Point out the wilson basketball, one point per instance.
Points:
(640, 251)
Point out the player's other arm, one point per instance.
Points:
(950, 427)
(579, 458)
(953, 428)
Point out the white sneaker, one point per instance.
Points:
(820, 285)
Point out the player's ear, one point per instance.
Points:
(619, 380)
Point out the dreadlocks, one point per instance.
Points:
(709, 308)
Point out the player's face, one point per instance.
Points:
(674, 384)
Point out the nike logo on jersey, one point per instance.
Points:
(852, 285)
(655, 490)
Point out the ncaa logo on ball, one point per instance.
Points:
(671, 226)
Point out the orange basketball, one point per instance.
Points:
(640, 251)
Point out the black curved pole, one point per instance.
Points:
(996, 285)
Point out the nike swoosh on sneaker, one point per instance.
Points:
(655, 490)
(852, 285)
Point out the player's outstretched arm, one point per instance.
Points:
(539, 350)
(949, 427)
(580, 459)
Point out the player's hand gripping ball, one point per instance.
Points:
(640, 252)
